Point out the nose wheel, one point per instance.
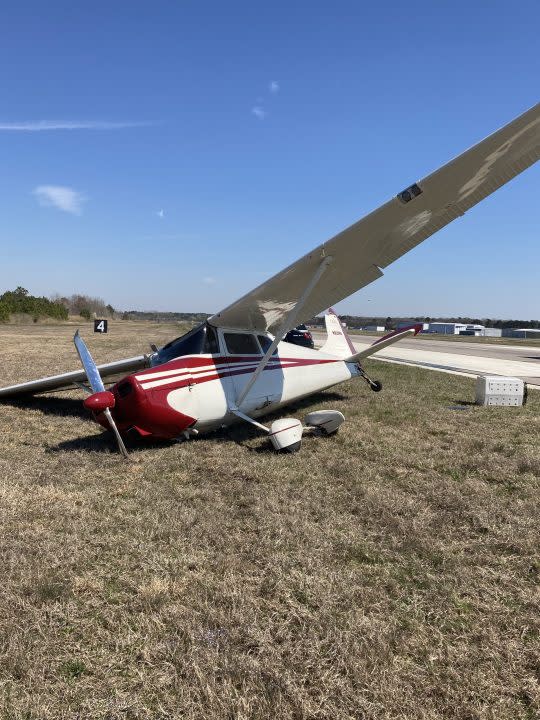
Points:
(375, 385)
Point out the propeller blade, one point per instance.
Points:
(90, 367)
(119, 440)
(96, 383)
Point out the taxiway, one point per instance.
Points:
(467, 358)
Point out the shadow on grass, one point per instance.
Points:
(244, 432)
(105, 442)
(49, 405)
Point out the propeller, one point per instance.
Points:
(99, 401)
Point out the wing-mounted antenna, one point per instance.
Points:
(101, 400)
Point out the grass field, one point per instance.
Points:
(391, 571)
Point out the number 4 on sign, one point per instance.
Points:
(100, 326)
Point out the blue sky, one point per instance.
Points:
(213, 143)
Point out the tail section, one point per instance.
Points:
(338, 342)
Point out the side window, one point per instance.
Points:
(211, 344)
(265, 343)
(241, 344)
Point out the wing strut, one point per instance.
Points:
(288, 324)
(250, 420)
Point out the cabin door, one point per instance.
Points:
(243, 356)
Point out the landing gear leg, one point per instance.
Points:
(375, 385)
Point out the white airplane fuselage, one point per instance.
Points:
(200, 391)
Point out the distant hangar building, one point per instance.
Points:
(492, 332)
(408, 323)
(442, 328)
(454, 328)
(521, 333)
(463, 329)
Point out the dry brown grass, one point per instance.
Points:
(389, 572)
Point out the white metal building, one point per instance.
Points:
(454, 328)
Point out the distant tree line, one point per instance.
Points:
(85, 306)
(20, 301)
(60, 307)
(157, 316)
(356, 321)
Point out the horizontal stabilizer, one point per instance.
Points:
(385, 341)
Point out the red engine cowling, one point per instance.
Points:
(147, 412)
(100, 401)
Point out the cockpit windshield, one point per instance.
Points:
(202, 339)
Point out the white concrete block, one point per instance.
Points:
(499, 390)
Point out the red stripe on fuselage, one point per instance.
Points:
(227, 369)
(193, 361)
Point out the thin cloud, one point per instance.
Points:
(258, 109)
(259, 112)
(62, 198)
(41, 125)
(209, 281)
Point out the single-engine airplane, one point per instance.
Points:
(236, 367)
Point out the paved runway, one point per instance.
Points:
(468, 358)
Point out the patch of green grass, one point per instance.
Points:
(72, 669)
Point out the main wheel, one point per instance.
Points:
(376, 385)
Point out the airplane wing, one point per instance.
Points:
(68, 380)
(358, 253)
